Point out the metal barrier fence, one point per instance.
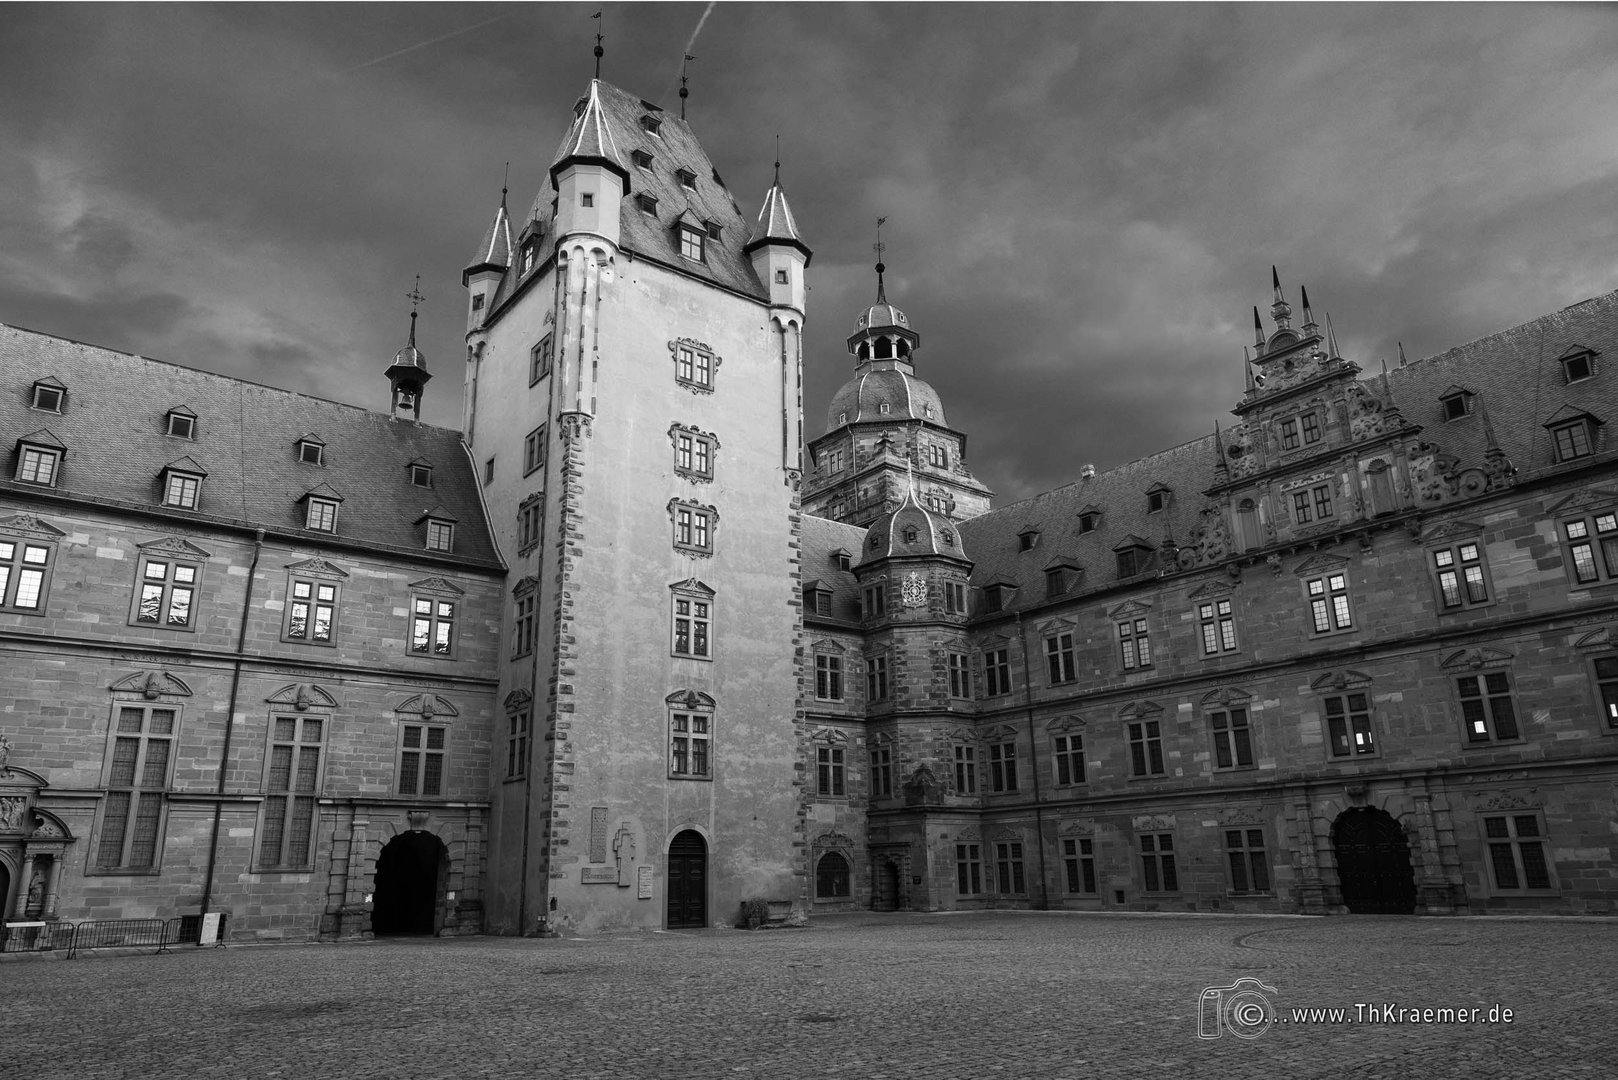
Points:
(53, 936)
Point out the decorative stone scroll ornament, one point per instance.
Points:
(914, 590)
(575, 427)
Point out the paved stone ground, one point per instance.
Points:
(943, 997)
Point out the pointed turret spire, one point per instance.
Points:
(1309, 324)
(1219, 451)
(1402, 360)
(1331, 340)
(590, 139)
(1247, 370)
(494, 253)
(1258, 330)
(1280, 310)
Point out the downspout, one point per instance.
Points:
(230, 723)
(1033, 750)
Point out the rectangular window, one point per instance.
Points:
(1146, 748)
(517, 746)
(524, 625)
(1606, 673)
(1487, 708)
(321, 516)
(48, 398)
(1572, 440)
(166, 593)
(1008, 867)
(37, 466)
(960, 679)
(1134, 644)
(421, 759)
(1069, 757)
(440, 535)
(533, 450)
(1348, 725)
(1232, 741)
(692, 619)
(1249, 865)
(1311, 427)
(488, 472)
(881, 772)
(1218, 627)
(1582, 538)
(291, 785)
(142, 754)
(1328, 603)
(1517, 853)
(876, 678)
(540, 358)
(528, 521)
(688, 745)
(693, 454)
(1003, 767)
(829, 770)
(694, 367)
(1079, 860)
(182, 490)
(939, 456)
(968, 870)
(311, 611)
(311, 453)
(421, 475)
(432, 626)
(996, 672)
(955, 597)
(691, 243)
(1289, 434)
(875, 600)
(1461, 581)
(1157, 862)
(1322, 496)
(833, 459)
(1059, 658)
(25, 570)
(1300, 507)
(828, 677)
(693, 529)
(966, 770)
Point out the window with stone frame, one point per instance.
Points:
(1590, 547)
(540, 358)
(1217, 625)
(139, 770)
(694, 364)
(693, 243)
(1145, 748)
(1158, 872)
(968, 870)
(1461, 575)
(874, 599)
(292, 775)
(691, 620)
(996, 671)
(25, 574)
(690, 744)
(1067, 756)
(694, 526)
(1578, 364)
(533, 450)
(1079, 865)
(423, 749)
(166, 591)
(440, 534)
(876, 678)
(1134, 644)
(1329, 609)
(831, 777)
(955, 598)
(1002, 767)
(311, 610)
(1312, 504)
(828, 677)
(966, 769)
(523, 623)
(960, 675)
(1519, 853)
(832, 877)
(881, 771)
(1349, 733)
(1059, 658)
(1232, 738)
(530, 515)
(517, 736)
(939, 455)
(1248, 861)
(694, 452)
(320, 515)
(1008, 865)
(1604, 673)
(1488, 707)
(432, 625)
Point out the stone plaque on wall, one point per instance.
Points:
(598, 834)
(599, 875)
(643, 877)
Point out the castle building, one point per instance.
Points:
(616, 655)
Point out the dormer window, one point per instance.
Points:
(1134, 556)
(692, 243)
(641, 158)
(910, 535)
(687, 178)
(421, 474)
(440, 535)
(713, 229)
(1027, 540)
(321, 515)
(647, 203)
(1456, 403)
(311, 451)
(1578, 364)
(49, 395)
(842, 558)
(884, 408)
(181, 423)
(781, 277)
(530, 253)
(1059, 579)
(1089, 518)
(652, 126)
(994, 598)
(1157, 499)
(39, 459)
(182, 484)
(1573, 435)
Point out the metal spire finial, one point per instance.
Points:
(684, 93)
(599, 38)
(879, 247)
(778, 161)
(505, 184)
(415, 298)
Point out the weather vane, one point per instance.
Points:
(684, 93)
(599, 39)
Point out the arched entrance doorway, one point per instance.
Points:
(1373, 863)
(886, 886)
(410, 876)
(688, 881)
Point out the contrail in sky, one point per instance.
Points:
(446, 37)
(692, 41)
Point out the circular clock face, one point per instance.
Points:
(914, 592)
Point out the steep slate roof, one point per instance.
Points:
(1516, 375)
(246, 440)
(817, 540)
(776, 224)
(495, 251)
(908, 398)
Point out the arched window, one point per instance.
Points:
(865, 350)
(884, 349)
(831, 877)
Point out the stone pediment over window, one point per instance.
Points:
(1130, 609)
(1605, 638)
(1007, 834)
(833, 840)
(963, 735)
(1241, 815)
(317, 568)
(882, 738)
(437, 585)
(994, 641)
(692, 585)
(1339, 680)
(1225, 697)
(303, 696)
(1053, 626)
(827, 645)
(1473, 659)
(151, 685)
(175, 546)
(1152, 823)
(1319, 564)
(829, 735)
(1001, 733)
(29, 525)
(1077, 827)
(1066, 723)
(1140, 710)
(1451, 530)
(1580, 501)
(1210, 590)
(1509, 800)
(427, 706)
(689, 699)
(969, 834)
(518, 700)
(525, 586)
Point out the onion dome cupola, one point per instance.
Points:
(911, 530)
(588, 172)
(408, 374)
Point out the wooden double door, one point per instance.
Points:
(688, 881)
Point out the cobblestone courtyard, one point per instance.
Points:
(982, 995)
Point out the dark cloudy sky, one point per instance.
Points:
(1083, 202)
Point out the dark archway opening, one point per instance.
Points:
(688, 881)
(1373, 863)
(410, 878)
(886, 886)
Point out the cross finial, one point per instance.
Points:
(599, 38)
(415, 298)
(879, 247)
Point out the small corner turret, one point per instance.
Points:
(588, 174)
(489, 264)
(777, 251)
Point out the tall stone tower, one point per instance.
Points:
(632, 404)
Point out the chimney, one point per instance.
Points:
(1087, 473)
